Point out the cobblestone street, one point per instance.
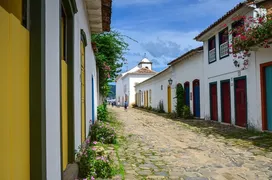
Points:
(160, 148)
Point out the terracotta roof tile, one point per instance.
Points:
(144, 71)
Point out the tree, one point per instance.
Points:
(111, 48)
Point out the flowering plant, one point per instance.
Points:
(94, 163)
(103, 133)
(254, 32)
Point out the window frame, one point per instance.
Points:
(213, 37)
(219, 36)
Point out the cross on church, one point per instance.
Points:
(144, 55)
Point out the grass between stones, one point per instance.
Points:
(117, 125)
(230, 134)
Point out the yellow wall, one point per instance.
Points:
(64, 97)
(14, 98)
(83, 111)
(64, 106)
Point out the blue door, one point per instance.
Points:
(92, 100)
(187, 93)
(196, 99)
(268, 84)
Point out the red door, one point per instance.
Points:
(240, 102)
(213, 96)
(225, 102)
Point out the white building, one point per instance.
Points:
(125, 82)
(186, 70)
(229, 90)
(233, 94)
(49, 83)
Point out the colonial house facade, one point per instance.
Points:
(218, 86)
(125, 82)
(48, 83)
(232, 92)
(186, 70)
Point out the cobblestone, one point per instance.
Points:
(160, 148)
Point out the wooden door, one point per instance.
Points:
(225, 101)
(196, 93)
(169, 97)
(213, 102)
(268, 93)
(240, 102)
(187, 93)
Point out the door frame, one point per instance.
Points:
(221, 98)
(210, 94)
(234, 82)
(194, 108)
(263, 93)
(169, 99)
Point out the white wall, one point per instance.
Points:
(133, 79)
(81, 22)
(119, 90)
(190, 70)
(157, 94)
(224, 69)
(52, 44)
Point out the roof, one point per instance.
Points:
(142, 71)
(186, 55)
(228, 14)
(99, 15)
(154, 76)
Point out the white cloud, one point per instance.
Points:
(152, 43)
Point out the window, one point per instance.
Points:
(224, 43)
(161, 87)
(212, 50)
(63, 35)
(236, 26)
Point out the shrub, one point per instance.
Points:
(149, 108)
(93, 162)
(187, 112)
(101, 132)
(102, 112)
(161, 107)
(134, 105)
(180, 99)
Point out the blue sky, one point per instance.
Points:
(164, 29)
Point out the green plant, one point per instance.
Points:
(103, 133)
(149, 108)
(102, 112)
(180, 99)
(111, 48)
(134, 105)
(94, 163)
(187, 112)
(161, 107)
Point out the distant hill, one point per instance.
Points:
(112, 91)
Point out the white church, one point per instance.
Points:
(125, 82)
